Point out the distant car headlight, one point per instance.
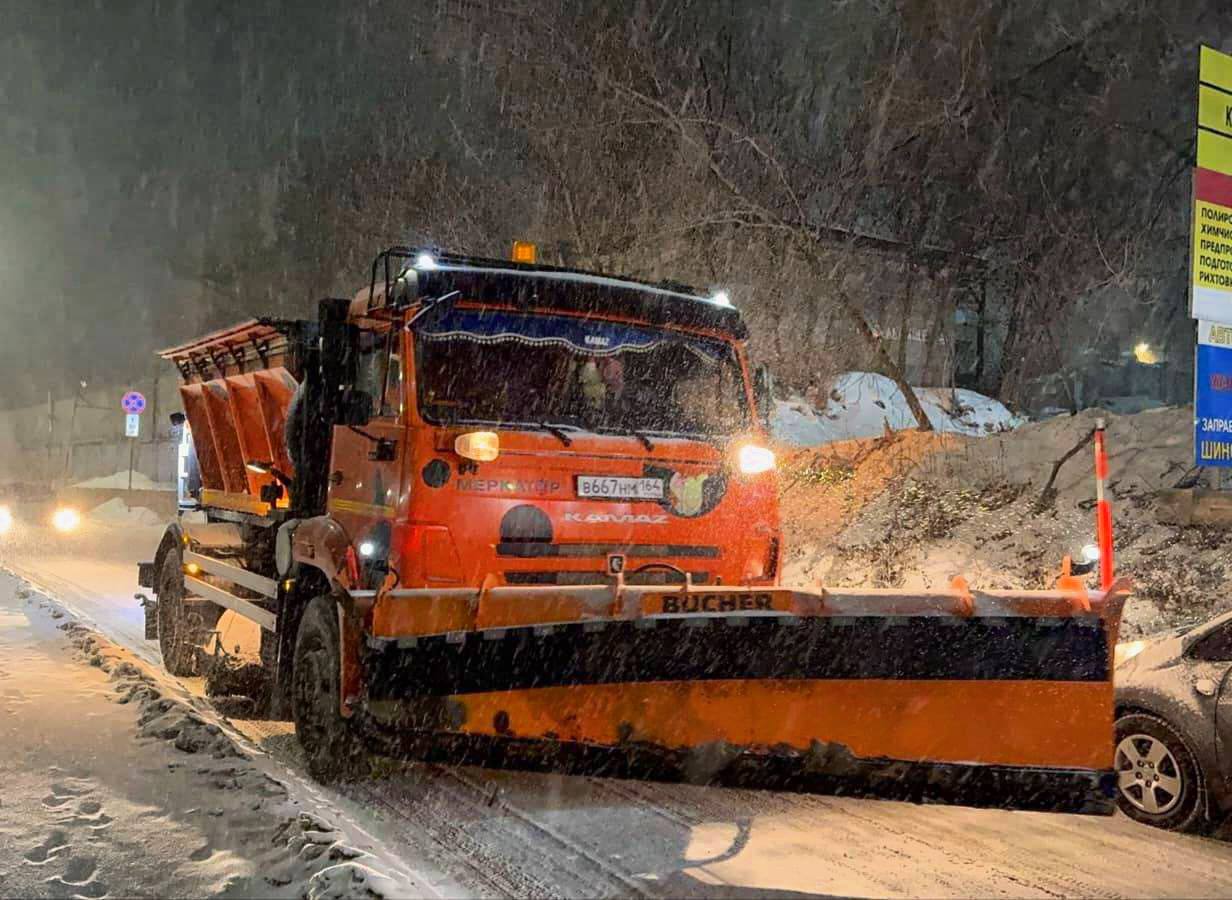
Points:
(754, 459)
(6, 520)
(1127, 651)
(66, 519)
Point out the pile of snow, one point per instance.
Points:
(864, 404)
(978, 508)
(116, 512)
(119, 481)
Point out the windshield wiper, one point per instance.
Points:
(646, 442)
(556, 432)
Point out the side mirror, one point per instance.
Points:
(354, 408)
(763, 394)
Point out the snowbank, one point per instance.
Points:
(116, 512)
(864, 404)
(119, 783)
(119, 481)
(954, 505)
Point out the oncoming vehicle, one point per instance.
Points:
(1174, 726)
(518, 515)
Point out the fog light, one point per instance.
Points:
(66, 519)
(755, 459)
(481, 446)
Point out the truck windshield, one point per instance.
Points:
(502, 368)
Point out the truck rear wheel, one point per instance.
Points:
(331, 748)
(181, 628)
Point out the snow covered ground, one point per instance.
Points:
(120, 481)
(116, 782)
(486, 833)
(864, 404)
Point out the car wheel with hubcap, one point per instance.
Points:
(1158, 780)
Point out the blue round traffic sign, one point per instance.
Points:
(133, 402)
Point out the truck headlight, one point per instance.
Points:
(480, 446)
(66, 519)
(6, 520)
(1127, 651)
(755, 460)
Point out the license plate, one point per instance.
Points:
(605, 487)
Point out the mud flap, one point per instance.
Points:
(150, 610)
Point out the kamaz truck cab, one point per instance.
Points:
(537, 427)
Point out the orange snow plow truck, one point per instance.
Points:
(515, 515)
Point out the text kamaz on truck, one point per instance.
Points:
(520, 515)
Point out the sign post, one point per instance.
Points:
(133, 404)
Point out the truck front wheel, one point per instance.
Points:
(332, 749)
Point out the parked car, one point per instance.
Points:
(1174, 726)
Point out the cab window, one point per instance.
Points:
(391, 398)
(379, 372)
(1215, 647)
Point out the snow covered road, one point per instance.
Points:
(507, 833)
(114, 782)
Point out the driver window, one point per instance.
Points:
(370, 367)
(391, 398)
(1216, 647)
(379, 372)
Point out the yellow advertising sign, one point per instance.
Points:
(1215, 152)
(1215, 68)
(1214, 109)
(1211, 285)
(1212, 246)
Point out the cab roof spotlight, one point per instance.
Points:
(721, 298)
(424, 262)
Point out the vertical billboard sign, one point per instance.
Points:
(1210, 288)
(1213, 395)
(1211, 281)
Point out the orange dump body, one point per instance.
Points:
(236, 388)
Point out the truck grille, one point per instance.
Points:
(583, 578)
(542, 550)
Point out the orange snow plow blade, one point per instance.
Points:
(993, 698)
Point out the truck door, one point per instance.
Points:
(365, 481)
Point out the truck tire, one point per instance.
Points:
(331, 747)
(179, 630)
(1159, 780)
